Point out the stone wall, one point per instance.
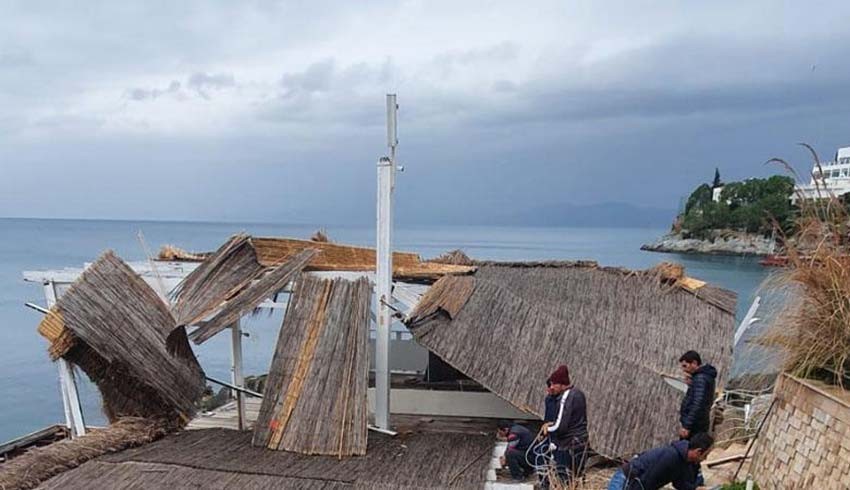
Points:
(806, 441)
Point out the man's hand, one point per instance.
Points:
(502, 460)
(544, 431)
(684, 433)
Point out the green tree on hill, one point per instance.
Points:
(750, 205)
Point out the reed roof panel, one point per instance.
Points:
(619, 332)
(222, 275)
(252, 295)
(315, 397)
(424, 460)
(115, 323)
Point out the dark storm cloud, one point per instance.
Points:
(275, 110)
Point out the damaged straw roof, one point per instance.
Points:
(510, 325)
(230, 283)
(113, 326)
(272, 252)
(315, 397)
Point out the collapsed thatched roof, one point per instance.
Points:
(230, 269)
(220, 458)
(272, 252)
(508, 326)
(113, 326)
(40, 464)
(315, 397)
(268, 283)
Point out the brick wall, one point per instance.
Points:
(806, 441)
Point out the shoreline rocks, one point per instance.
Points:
(721, 243)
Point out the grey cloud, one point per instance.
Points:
(140, 94)
(316, 78)
(202, 83)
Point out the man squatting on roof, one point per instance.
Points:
(676, 463)
(568, 432)
(519, 439)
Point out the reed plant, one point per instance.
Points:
(813, 328)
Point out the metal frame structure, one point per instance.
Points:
(390, 298)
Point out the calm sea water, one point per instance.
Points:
(28, 380)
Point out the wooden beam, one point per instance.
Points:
(67, 381)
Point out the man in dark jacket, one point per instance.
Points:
(519, 439)
(568, 432)
(676, 463)
(695, 411)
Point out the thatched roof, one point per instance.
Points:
(220, 458)
(272, 252)
(113, 326)
(268, 284)
(40, 464)
(509, 326)
(224, 273)
(315, 397)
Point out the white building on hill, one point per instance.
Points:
(835, 178)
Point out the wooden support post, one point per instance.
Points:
(67, 381)
(236, 376)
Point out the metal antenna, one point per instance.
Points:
(384, 269)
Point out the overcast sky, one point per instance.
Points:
(274, 111)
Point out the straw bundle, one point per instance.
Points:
(315, 398)
(177, 254)
(251, 296)
(617, 332)
(455, 257)
(40, 464)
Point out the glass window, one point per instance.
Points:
(845, 172)
(836, 173)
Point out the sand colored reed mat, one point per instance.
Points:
(113, 326)
(618, 332)
(337, 257)
(315, 397)
(272, 252)
(40, 464)
(221, 458)
(266, 285)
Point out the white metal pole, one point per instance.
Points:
(236, 376)
(748, 320)
(383, 273)
(67, 381)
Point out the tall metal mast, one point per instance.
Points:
(384, 269)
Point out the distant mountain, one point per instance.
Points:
(613, 214)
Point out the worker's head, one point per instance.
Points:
(559, 381)
(690, 362)
(503, 428)
(699, 446)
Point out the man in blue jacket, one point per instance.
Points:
(695, 411)
(676, 463)
(519, 439)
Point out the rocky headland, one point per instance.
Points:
(717, 243)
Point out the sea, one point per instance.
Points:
(29, 383)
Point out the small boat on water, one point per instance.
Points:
(773, 260)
